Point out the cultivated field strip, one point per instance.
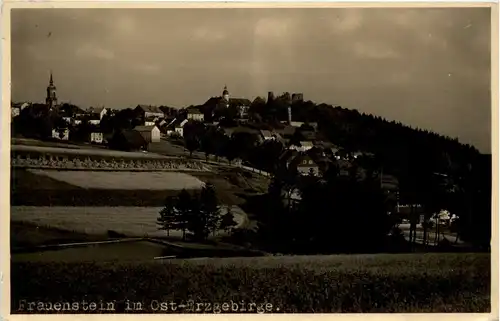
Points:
(125, 180)
(18, 149)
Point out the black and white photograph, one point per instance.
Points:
(223, 159)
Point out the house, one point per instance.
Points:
(96, 137)
(168, 112)
(304, 164)
(162, 123)
(312, 125)
(175, 126)
(77, 120)
(128, 140)
(296, 123)
(17, 108)
(195, 114)
(229, 132)
(302, 146)
(94, 119)
(331, 151)
(308, 135)
(145, 111)
(267, 135)
(97, 113)
(14, 111)
(151, 134)
(243, 111)
(151, 121)
(286, 132)
(62, 134)
(216, 106)
(179, 128)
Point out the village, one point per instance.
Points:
(156, 128)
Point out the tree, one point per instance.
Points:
(257, 107)
(193, 133)
(207, 144)
(227, 222)
(192, 144)
(202, 214)
(210, 210)
(220, 142)
(232, 149)
(266, 155)
(184, 205)
(242, 143)
(168, 219)
(44, 126)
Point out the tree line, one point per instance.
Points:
(196, 215)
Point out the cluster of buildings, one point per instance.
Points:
(306, 150)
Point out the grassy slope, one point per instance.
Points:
(357, 283)
(38, 190)
(24, 234)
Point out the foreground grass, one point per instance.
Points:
(343, 283)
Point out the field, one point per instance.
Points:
(124, 180)
(50, 207)
(131, 221)
(57, 144)
(65, 188)
(353, 283)
(82, 151)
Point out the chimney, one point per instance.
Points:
(289, 115)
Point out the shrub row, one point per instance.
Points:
(105, 164)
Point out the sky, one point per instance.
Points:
(425, 67)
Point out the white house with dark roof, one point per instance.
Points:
(175, 126)
(146, 111)
(96, 112)
(151, 134)
(96, 136)
(195, 114)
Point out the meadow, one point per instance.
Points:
(127, 220)
(339, 283)
(124, 180)
(140, 189)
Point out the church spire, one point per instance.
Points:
(51, 99)
(225, 94)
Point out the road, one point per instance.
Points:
(431, 234)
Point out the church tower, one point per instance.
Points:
(51, 99)
(225, 94)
